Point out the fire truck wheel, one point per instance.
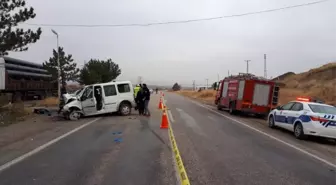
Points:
(261, 116)
(219, 107)
(231, 108)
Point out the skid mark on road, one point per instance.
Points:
(212, 119)
(190, 122)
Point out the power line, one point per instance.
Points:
(177, 22)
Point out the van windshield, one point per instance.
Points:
(323, 109)
(79, 91)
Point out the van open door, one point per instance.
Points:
(88, 102)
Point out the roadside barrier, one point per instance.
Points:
(180, 169)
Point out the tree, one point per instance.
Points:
(99, 71)
(69, 70)
(176, 87)
(13, 12)
(214, 85)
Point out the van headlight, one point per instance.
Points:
(66, 107)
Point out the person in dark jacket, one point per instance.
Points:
(140, 100)
(62, 101)
(146, 93)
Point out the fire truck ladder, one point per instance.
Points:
(275, 95)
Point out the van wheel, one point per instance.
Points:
(125, 109)
(298, 131)
(74, 115)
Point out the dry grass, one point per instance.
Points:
(49, 102)
(14, 112)
(319, 82)
(205, 95)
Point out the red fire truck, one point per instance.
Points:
(247, 93)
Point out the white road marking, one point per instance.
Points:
(38, 149)
(171, 118)
(270, 136)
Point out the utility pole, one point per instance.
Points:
(247, 66)
(139, 79)
(58, 66)
(217, 77)
(206, 83)
(228, 73)
(193, 85)
(265, 69)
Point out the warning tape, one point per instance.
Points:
(184, 180)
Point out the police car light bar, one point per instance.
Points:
(303, 99)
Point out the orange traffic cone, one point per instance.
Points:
(160, 104)
(164, 120)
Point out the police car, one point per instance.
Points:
(305, 117)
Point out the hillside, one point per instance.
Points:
(284, 76)
(318, 82)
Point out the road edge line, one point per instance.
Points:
(170, 116)
(180, 172)
(38, 149)
(270, 136)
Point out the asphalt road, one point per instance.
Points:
(92, 155)
(215, 150)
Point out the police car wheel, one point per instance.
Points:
(271, 122)
(298, 131)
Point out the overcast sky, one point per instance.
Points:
(294, 39)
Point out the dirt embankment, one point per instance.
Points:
(19, 111)
(318, 82)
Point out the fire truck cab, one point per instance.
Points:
(247, 93)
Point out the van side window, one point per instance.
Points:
(124, 88)
(110, 90)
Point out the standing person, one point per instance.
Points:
(147, 98)
(136, 90)
(156, 90)
(62, 101)
(140, 100)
